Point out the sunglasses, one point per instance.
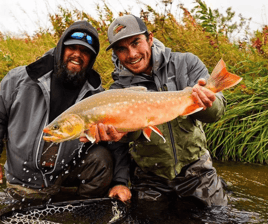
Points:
(80, 36)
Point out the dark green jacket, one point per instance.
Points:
(185, 137)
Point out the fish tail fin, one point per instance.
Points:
(221, 79)
(148, 131)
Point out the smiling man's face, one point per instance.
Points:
(76, 57)
(135, 53)
(72, 69)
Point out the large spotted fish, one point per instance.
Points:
(132, 109)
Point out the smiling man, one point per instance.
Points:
(181, 167)
(30, 98)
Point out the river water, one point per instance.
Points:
(248, 200)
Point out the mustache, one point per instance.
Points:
(70, 79)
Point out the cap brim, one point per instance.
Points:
(79, 42)
(134, 34)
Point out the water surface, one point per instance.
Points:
(248, 200)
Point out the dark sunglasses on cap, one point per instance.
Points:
(80, 36)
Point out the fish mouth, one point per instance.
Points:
(52, 139)
(55, 137)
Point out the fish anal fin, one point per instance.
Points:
(147, 132)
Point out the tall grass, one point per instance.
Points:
(241, 134)
(16, 52)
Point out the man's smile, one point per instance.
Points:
(75, 62)
(134, 62)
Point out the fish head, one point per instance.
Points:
(64, 128)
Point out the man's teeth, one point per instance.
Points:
(134, 62)
(75, 62)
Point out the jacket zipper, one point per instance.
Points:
(36, 159)
(173, 146)
(161, 88)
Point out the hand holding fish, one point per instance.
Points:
(121, 192)
(105, 133)
(204, 96)
(134, 108)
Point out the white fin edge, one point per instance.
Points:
(158, 134)
(197, 110)
(92, 140)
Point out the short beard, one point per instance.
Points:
(69, 78)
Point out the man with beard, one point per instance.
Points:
(30, 98)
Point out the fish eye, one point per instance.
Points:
(55, 127)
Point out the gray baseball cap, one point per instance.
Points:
(123, 27)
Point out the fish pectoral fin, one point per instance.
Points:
(147, 132)
(90, 133)
(92, 140)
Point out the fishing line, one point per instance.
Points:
(48, 148)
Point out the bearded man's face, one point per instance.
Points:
(72, 71)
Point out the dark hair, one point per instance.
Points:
(146, 34)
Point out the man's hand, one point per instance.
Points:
(105, 133)
(204, 96)
(1, 175)
(121, 192)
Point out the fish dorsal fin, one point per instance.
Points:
(137, 88)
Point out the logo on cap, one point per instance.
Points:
(118, 28)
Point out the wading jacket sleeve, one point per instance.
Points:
(185, 137)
